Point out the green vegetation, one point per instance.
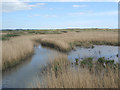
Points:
(97, 64)
(76, 59)
(44, 32)
(87, 62)
(7, 36)
(102, 60)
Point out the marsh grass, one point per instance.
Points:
(15, 50)
(67, 41)
(58, 45)
(18, 48)
(60, 62)
(8, 36)
(69, 77)
(44, 32)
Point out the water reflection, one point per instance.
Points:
(109, 52)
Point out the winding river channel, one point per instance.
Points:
(23, 74)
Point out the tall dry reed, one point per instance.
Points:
(15, 50)
(62, 75)
(82, 79)
(18, 48)
(67, 41)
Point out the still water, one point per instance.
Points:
(109, 52)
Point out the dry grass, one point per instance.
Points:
(18, 48)
(67, 40)
(15, 50)
(60, 73)
(82, 79)
(70, 77)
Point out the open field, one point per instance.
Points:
(18, 48)
(6, 34)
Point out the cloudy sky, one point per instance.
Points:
(45, 15)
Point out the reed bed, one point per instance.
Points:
(18, 48)
(82, 79)
(66, 76)
(15, 50)
(66, 41)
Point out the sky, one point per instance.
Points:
(58, 15)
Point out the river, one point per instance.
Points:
(23, 74)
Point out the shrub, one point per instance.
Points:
(101, 60)
(87, 62)
(76, 59)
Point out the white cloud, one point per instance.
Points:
(77, 13)
(44, 15)
(79, 6)
(65, 0)
(40, 4)
(89, 13)
(35, 15)
(105, 13)
(14, 5)
(47, 15)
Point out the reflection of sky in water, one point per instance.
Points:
(23, 74)
(109, 52)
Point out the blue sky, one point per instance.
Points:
(48, 15)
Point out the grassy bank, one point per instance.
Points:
(15, 50)
(62, 75)
(66, 41)
(18, 48)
